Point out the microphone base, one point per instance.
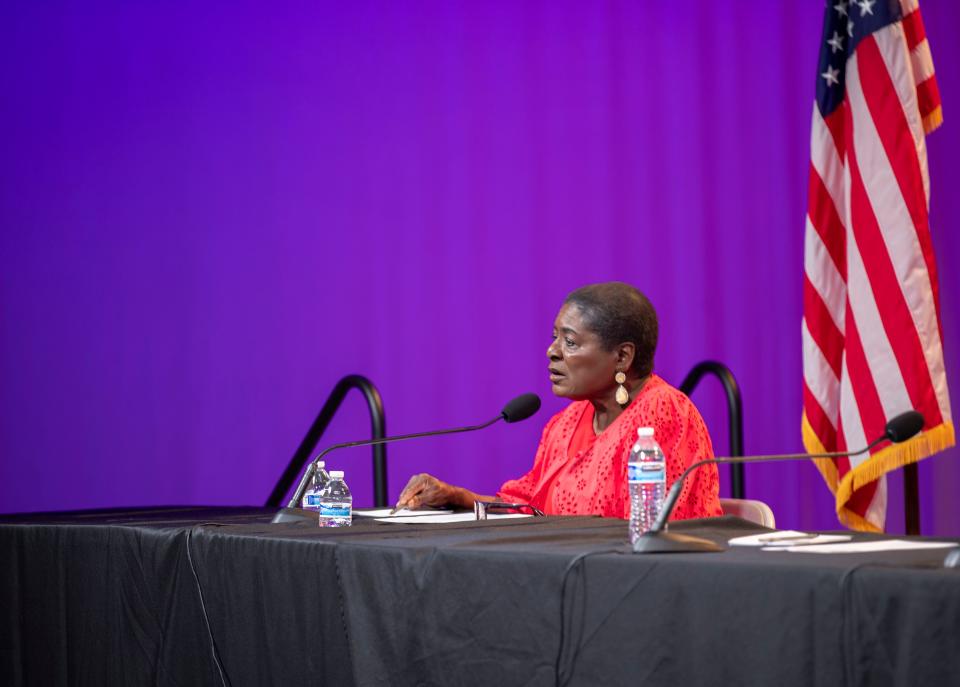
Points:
(670, 542)
(287, 515)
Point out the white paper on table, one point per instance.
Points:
(403, 512)
(435, 517)
(868, 546)
(783, 538)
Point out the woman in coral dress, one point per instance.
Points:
(601, 358)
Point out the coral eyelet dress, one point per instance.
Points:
(577, 473)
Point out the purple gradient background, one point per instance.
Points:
(212, 212)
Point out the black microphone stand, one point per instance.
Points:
(292, 513)
(659, 540)
(519, 408)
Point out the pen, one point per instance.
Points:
(405, 502)
(785, 537)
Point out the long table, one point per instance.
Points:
(185, 596)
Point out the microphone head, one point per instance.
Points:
(904, 426)
(521, 408)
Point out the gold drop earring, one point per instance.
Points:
(622, 396)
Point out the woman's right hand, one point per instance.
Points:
(425, 491)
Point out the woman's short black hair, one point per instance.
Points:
(618, 313)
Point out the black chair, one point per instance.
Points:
(734, 413)
(748, 509)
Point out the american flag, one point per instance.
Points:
(871, 317)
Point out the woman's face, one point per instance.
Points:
(580, 367)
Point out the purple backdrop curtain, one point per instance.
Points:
(210, 213)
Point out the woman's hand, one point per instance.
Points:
(425, 491)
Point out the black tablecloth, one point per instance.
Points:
(175, 596)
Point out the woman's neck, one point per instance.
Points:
(606, 409)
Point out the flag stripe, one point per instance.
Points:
(902, 76)
(921, 64)
(919, 281)
(890, 342)
(824, 276)
(817, 418)
(928, 97)
(899, 76)
(913, 29)
(875, 495)
(851, 432)
(833, 123)
(821, 327)
(907, 6)
(820, 380)
(870, 408)
(825, 219)
(825, 157)
(893, 129)
(861, 501)
(897, 272)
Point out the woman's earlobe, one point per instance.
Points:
(623, 396)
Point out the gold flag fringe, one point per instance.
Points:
(890, 458)
(933, 120)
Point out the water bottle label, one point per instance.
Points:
(312, 500)
(646, 472)
(334, 511)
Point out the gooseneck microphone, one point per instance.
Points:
(658, 540)
(904, 426)
(517, 409)
(520, 408)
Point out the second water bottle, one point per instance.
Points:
(336, 502)
(647, 477)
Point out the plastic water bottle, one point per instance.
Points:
(311, 499)
(647, 476)
(336, 503)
